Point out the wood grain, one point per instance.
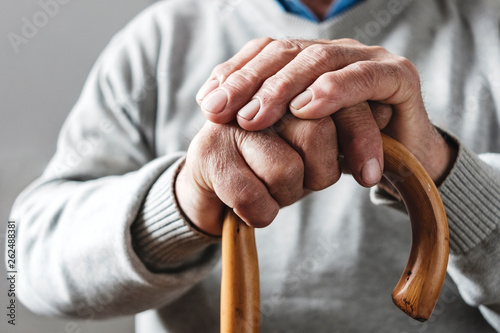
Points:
(240, 298)
(419, 287)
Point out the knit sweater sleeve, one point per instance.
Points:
(93, 226)
(471, 196)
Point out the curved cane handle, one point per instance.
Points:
(418, 289)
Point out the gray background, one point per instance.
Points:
(38, 86)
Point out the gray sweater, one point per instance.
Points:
(100, 233)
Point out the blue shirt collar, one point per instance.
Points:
(298, 8)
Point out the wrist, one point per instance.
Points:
(202, 208)
(442, 158)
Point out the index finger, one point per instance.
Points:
(222, 71)
(229, 97)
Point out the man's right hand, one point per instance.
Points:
(255, 173)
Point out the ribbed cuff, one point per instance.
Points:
(161, 237)
(470, 195)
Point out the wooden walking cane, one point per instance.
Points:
(418, 289)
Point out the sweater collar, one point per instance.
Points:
(298, 8)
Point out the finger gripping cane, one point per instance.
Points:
(419, 287)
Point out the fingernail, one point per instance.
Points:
(301, 100)
(206, 89)
(371, 173)
(215, 102)
(249, 111)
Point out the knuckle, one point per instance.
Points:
(287, 184)
(409, 69)
(365, 67)
(261, 41)
(391, 70)
(377, 50)
(259, 212)
(223, 70)
(248, 198)
(328, 85)
(318, 53)
(365, 74)
(211, 138)
(242, 79)
(322, 129)
(293, 169)
(335, 56)
(212, 132)
(405, 62)
(276, 87)
(285, 47)
(405, 75)
(315, 134)
(349, 41)
(320, 139)
(203, 140)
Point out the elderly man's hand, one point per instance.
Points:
(255, 173)
(314, 79)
